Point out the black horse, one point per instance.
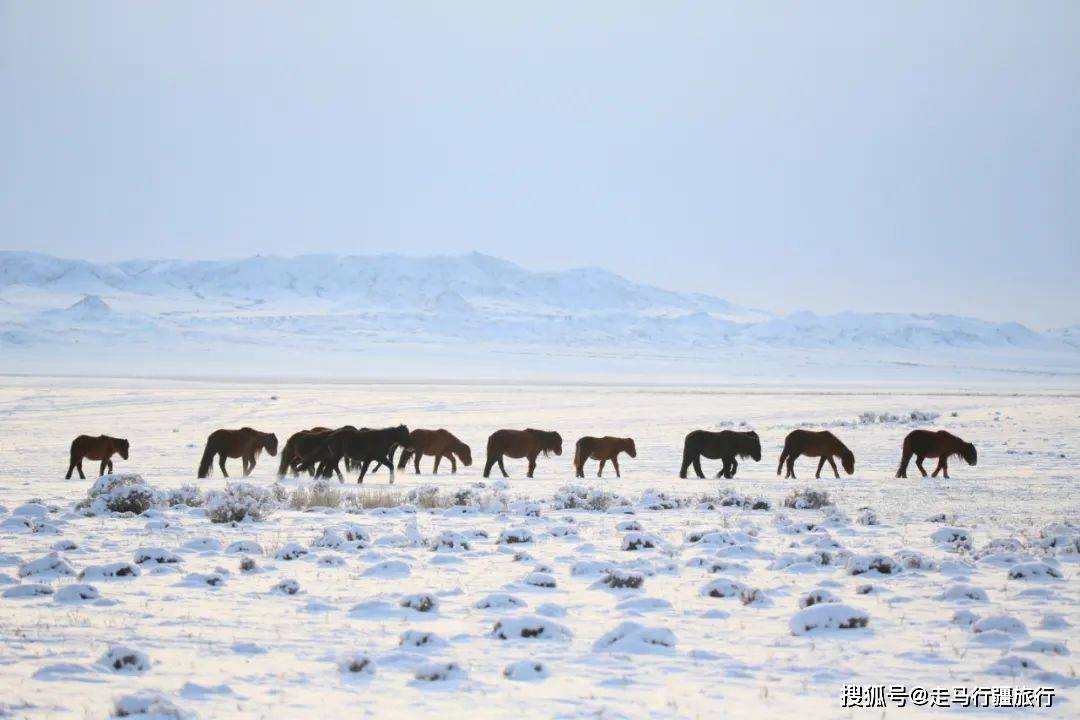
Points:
(359, 447)
(726, 445)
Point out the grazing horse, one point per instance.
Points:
(100, 448)
(815, 444)
(440, 443)
(726, 445)
(602, 449)
(360, 447)
(245, 443)
(941, 444)
(297, 446)
(520, 444)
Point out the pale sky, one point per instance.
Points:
(908, 156)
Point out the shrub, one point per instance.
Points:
(807, 499)
(238, 502)
(189, 495)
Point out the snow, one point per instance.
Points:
(424, 607)
(467, 316)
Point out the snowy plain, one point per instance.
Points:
(982, 588)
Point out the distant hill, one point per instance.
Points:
(156, 311)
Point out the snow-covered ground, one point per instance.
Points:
(421, 609)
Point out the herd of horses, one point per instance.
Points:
(320, 451)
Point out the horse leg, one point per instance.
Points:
(488, 465)
(919, 464)
(416, 462)
(221, 464)
(363, 471)
(110, 465)
(615, 462)
(453, 464)
(942, 467)
(389, 467)
(697, 466)
(435, 469)
(835, 471)
(780, 465)
(734, 467)
(532, 466)
(600, 471)
(502, 468)
(71, 469)
(821, 464)
(101, 470)
(791, 465)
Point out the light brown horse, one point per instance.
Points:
(245, 443)
(602, 449)
(100, 448)
(297, 446)
(440, 443)
(527, 443)
(822, 444)
(941, 444)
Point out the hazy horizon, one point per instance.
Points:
(890, 158)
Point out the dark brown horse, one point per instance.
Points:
(361, 447)
(100, 448)
(822, 445)
(245, 443)
(726, 445)
(440, 443)
(520, 444)
(941, 444)
(602, 449)
(297, 446)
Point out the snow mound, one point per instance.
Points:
(631, 637)
(827, 616)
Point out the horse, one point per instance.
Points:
(245, 443)
(941, 444)
(815, 444)
(726, 445)
(360, 446)
(602, 449)
(527, 443)
(100, 448)
(297, 446)
(440, 443)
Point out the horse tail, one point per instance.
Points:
(580, 453)
(286, 456)
(206, 465)
(783, 457)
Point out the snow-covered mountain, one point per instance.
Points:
(443, 315)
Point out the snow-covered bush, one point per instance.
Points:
(511, 536)
(420, 639)
(619, 579)
(499, 601)
(148, 704)
(525, 670)
(123, 659)
(540, 579)
(529, 627)
(420, 602)
(827, 616)
(291, 551)
(439, 672)
(818, 596)
(239, 501)
(640, 541)
(631, 637)
(1034, 571)
(807, 499)
(862, 564)
(76, 593)
(189, 495)
(49, 566)
(953, 538)
(357, 663)
(570, 497)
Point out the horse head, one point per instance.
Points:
(967, 451)
(464, 454)
(752, 446)
(847, 459)
(122, 447)
(630, 447)
(270, 443)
